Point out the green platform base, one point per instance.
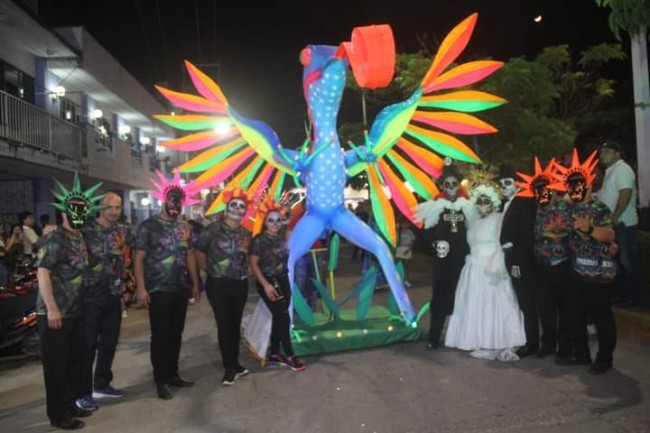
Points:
(347, 333)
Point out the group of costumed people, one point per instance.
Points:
(518, 250)
(81, 274)
(477, 260)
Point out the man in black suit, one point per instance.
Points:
(517, 239)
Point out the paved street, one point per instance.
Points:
(394, 389)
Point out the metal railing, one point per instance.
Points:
(26, 124)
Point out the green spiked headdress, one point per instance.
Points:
(75, 203)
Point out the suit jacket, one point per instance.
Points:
(518, 227)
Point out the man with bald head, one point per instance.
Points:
(107, 241)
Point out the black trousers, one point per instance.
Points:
(281, 322)
(526, 289)
(63, 358)
(103, 320)
(446, 272)
(587, 299)
(228, 299)
(555, 284)
(167, 312)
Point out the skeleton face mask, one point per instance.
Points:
(77, 211)
(174, 201)
(236, 209)
(577, 187)
(484, 205)
(450, 185)
(508, 187)
(543, 194)
(442, 249)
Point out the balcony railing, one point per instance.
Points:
(28, 125)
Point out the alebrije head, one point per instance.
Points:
(173, 194)
(77, 204)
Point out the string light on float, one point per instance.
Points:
(538, 19)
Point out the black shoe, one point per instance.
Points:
(525, 351)
(432, 346)
(77, 412)
(572, 361)
(545, 351)
(600, 367)
(228, 378)
(241, 371)
(164, 393)
(68, 424)
(180, 383)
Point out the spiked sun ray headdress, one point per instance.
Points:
(64, 196)
(586, 168)
(549, 173)
(166, 185)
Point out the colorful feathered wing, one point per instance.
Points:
(247, 152)
(408, 141)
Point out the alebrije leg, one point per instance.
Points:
(357, 232)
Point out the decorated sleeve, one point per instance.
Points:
(256, 246)
(203, 241)
(49, 253)
(603, 216)
(142, 237)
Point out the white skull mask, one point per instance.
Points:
(450, 185)
(484, 206)
(442, 249)
(508, 187)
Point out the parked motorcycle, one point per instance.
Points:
(18, 332)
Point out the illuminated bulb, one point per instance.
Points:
(339, 334)
(314, 338)
(145, 201)
(365, 331)
(390, 328)
(538, 19)
(222, 128)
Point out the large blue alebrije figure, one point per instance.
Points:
(247, 153)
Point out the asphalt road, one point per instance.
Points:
(394, 389)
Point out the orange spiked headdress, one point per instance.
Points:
(548, 174)
(586, 168)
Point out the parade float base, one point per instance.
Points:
(327, 335)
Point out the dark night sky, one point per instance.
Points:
(258, 46)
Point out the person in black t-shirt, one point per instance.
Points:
(268, 260)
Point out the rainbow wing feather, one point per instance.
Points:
(228, 147)
(416, 134)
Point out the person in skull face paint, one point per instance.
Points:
(552, 225)
(448, 232)
(517, 231)
(223, 253)
(486, 318)
(165, 268)
(62, 268)
(592, 251)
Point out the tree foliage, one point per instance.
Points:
(555, 102)
(628, 15)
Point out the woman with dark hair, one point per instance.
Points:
(268, 259)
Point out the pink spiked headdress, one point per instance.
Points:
(165, 186)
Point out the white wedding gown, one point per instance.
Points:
(486, 318)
